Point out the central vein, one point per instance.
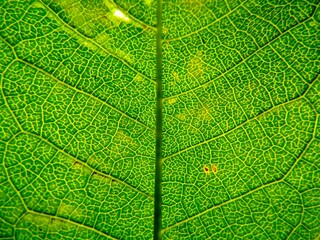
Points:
(157, 189)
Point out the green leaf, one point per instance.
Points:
(189, 119)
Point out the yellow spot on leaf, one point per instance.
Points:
(175, 76)
(148, 2)
(79, 167)
(117, 13)
(103, 39)
(124, 55)
(57, 225)
(205, 114)
(181, 116)
(138, 78)
(69, 209)
(124, 138)
(194, 2)
(195, 66)
(172, 100)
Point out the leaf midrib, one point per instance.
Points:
(158, 168)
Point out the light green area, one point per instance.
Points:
(241, 125)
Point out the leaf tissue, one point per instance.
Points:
(159, 119)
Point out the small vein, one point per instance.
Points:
(301, 217)
(10, 46)
(95, 43)
(315, 10)
(65, 84)
(74, 158)
(282, 179)
(237, 64)
(246, 121)
(208, 25)
(230, 130)
(133, 17)
(220, 205)
(8, 176)
(71, 222)
(85, 93)
(4, 96)
(288, 65)
(262, 19)
(87, 165)
(303, 150)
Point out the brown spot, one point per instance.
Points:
(214, 168)
(206, 169)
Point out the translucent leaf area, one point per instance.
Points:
(79, 111)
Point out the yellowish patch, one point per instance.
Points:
(119, 14)
(148, 2)
(313, 24)
(195, 66)
(65, 210)
(106, 42)
(38, 220)
(181, 116)
(172, 100)
(138, 78)
(85, 22)
(57, 225)
(124, 138)
(124, 55)
(103, 39)
(204, 114)
(194, 2)
(37, 4)
(176, 76)
(120, 143)
(94, 161)
(81, 167)
(77, 19)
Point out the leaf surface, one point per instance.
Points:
(79, 111)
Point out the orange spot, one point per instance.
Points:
(214, 168)
(206, 169)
